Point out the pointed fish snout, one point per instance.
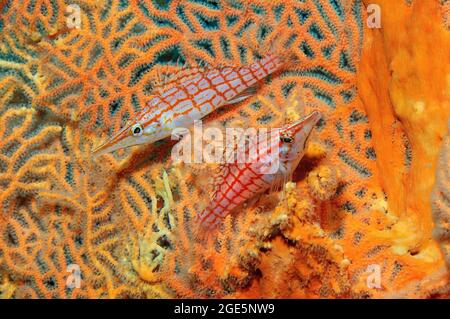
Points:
(100, 150)
(312, 118)
(116, 142)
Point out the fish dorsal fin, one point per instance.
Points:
(228, 159)
(222, 170)
(168, 77)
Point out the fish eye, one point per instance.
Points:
(286, 139)
(137, 130)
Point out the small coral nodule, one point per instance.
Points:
(323, 182)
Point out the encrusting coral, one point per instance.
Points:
(360, 197)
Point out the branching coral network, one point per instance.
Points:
(127, 219)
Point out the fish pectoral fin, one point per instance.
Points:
(253, 201)
(243, 95)
(279, 182)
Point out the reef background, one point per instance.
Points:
(373, 188)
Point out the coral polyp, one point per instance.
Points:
(369, 197)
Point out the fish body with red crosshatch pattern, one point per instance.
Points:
(190, 98)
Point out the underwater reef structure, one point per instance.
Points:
(370, 197)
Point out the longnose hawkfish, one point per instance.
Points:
(238, 182)
(189, 100)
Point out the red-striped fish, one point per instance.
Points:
(238, 182)
(190, 99)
